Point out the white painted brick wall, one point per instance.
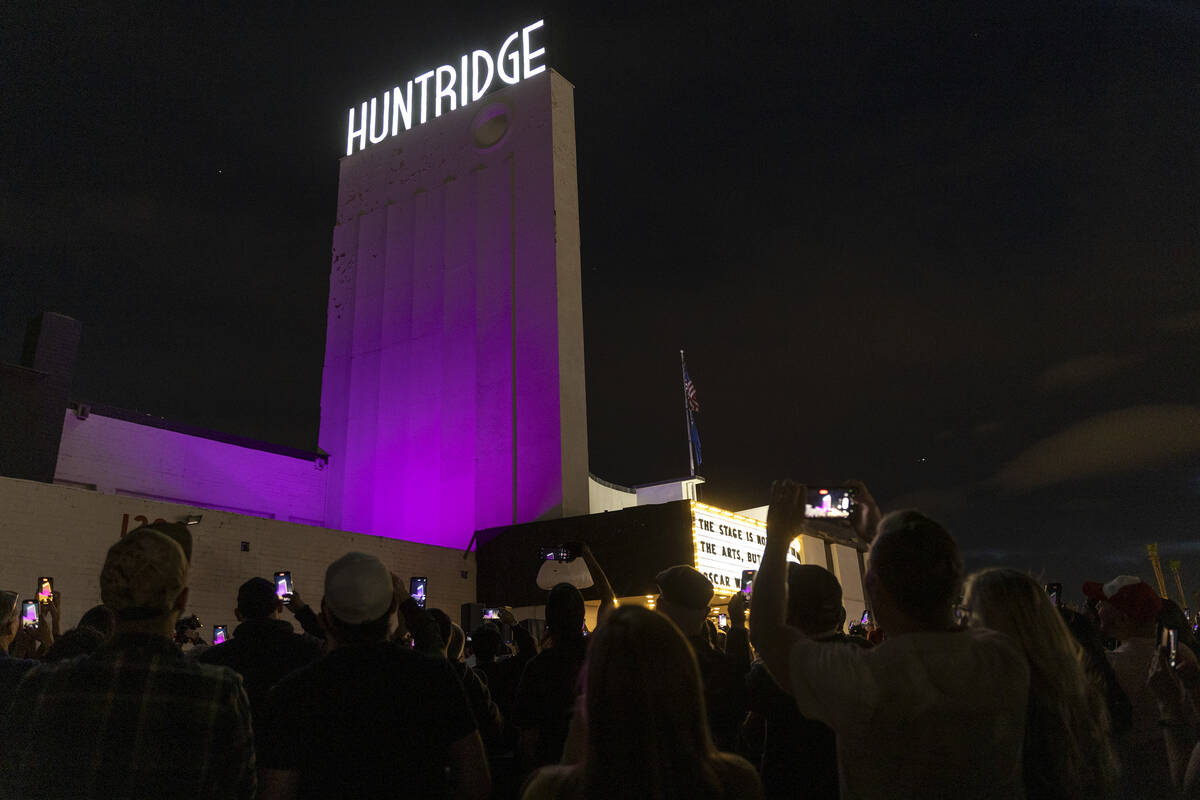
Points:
(65, 532)
(119, 456)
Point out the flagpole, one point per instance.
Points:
(687, 415)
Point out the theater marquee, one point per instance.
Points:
(727, 543)
(450, 86)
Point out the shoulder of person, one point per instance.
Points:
(855, 641)
(217, 653)
(548, 783)
(217, 673)
(986, 638)
(738, 776)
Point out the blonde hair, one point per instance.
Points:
(648, 734)
(1067, 736)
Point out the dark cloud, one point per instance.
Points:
(1181, 323)
(1114, 442)
(1084, 370)
(935, 502)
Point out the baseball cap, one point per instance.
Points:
(358, 588)
(172, 530)
(1129, 594)
(143, 574)
(685, 586)
(813, 592)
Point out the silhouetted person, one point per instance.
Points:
(933, 711)
(264, 647)
(136, 718)
(546, 694)
(11, 669)
(1068, 743)
(646, 731)
(799, 755)
(1128, 609)
(371, 718)
(684, 597)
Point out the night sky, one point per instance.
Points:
(949, 249)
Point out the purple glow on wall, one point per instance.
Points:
(124, 457)
(429, 375)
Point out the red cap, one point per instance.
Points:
(1128, 594)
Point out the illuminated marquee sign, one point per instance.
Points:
(727, 543)
(444, 89)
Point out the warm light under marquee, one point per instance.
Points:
(443, 89)
(727, 543)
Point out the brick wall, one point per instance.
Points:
(64, 532)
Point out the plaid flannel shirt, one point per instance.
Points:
(134, 720)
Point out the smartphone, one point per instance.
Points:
(748, 583)
(748, 579)
(45, 589)
(722, 620)
(283, 586)
(219, 633)
(1170, 641)
(567, 551)
(491, 613)
(29, 613)
(865, 619)
(1055, 592)
(416, 588)
(828, 502)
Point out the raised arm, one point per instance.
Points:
(608, 600)
(769, 632)
(1172, 688)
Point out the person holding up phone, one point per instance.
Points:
(263, 647)
(933, 711)
(172, 727)
(372, 717)
(1177, 691)
(11, 669)
(1128, 609)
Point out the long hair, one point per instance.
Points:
(648, 734)
(1068, 747)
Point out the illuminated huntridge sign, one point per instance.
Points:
(444, 89)
(727, 543)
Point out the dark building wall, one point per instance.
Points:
(33, 396)
(632, 545)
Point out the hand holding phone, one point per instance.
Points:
(219, 633)
(829, 502)
(1170, 641)
(283, 586)
(45, 590)
(417, 588)
(748, 576)
(785, 514)
(29, 614)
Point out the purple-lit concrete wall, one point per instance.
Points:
(453, 392)
(120, 457)
(65, 532)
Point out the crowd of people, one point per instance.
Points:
(974, 686)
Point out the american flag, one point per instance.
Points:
(689, 389)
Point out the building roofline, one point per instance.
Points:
(151, 421)
(695, 478)
(612, 485)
